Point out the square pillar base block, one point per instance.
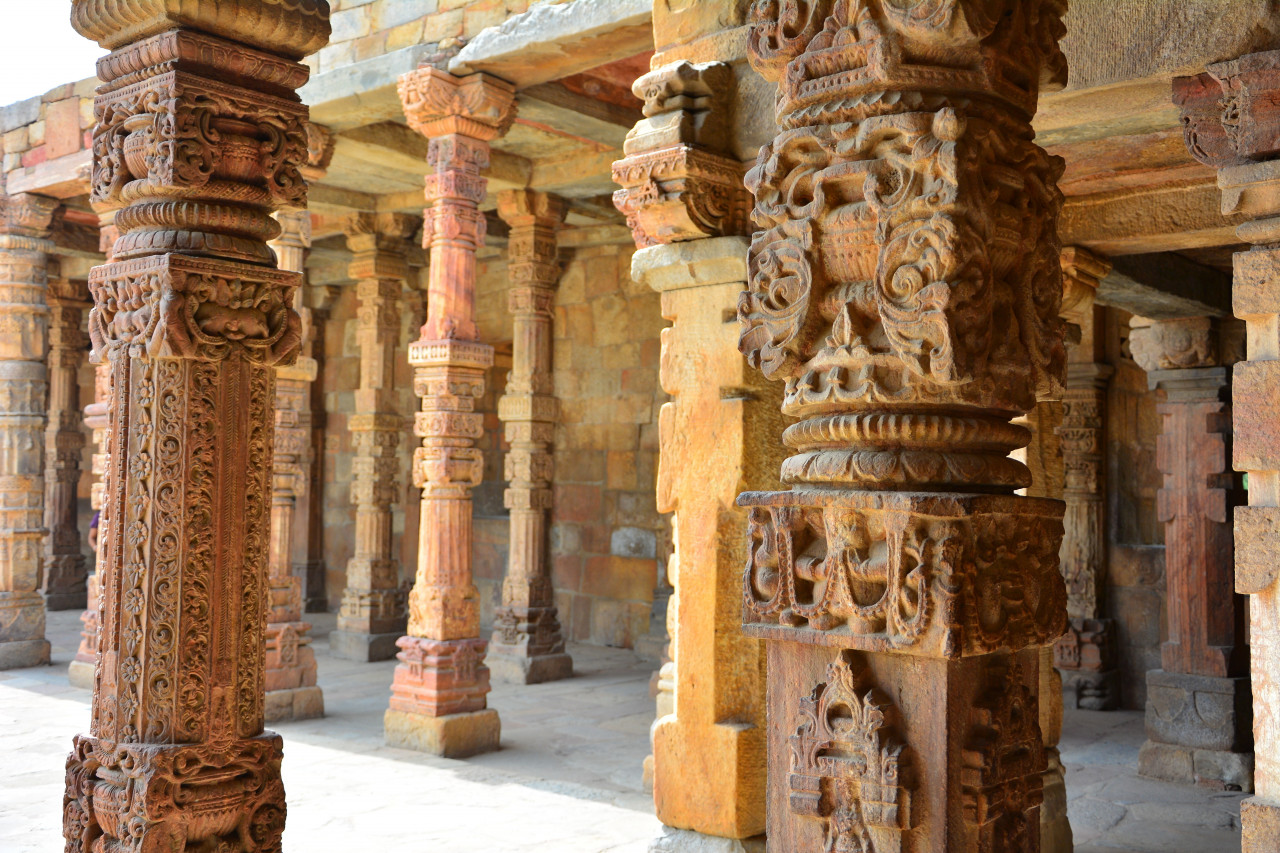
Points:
(674, 840)
(80, 674)
(1093, 691)
(1208, 768)
(518, 669)
(1199, 711)
(77, 600)
(451, 736)
(23, 653)
(295, 703)
(364, 648)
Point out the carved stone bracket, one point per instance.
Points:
(677, 184)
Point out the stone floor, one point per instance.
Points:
(567, 779)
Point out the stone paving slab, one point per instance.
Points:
(567, 779)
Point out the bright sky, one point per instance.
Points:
(39, 50)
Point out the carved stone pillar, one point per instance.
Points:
(24, 333)
(1086, 656)
(292, 693)
(1198, 702)
(685, 202)
(65, 570)
(1231, 123)
(438, 696)
(198, 138)
(905, 592)
(372, 617)
(527, 645)
(97, 418)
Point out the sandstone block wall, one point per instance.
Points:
(48, 126)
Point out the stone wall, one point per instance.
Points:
(49, 126)
(1135, 588)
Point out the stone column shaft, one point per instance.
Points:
(97, 418)
(292, 693)
(1198, 703)
(1086, 655)
(372, 617)
(24, 339)
(905, 593)
(198, 138)
(527, 645)
(438, 696)
(687, 208)
(65, 570)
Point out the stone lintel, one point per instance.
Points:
(1165, 286)
(554, 41)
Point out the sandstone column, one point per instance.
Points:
(1243, 152)
(198, 137)
(438, 695)
(292, 693)
(905, 285)
(1198, 703)
(97, 418)
(372, 617)
(65, 571)
(1086, 655)
(24, 333)
(527, 645)
(685, 202)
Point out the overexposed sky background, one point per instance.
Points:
(39, 50)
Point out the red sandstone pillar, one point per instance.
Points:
(24, 332)
(198, 138)
(438, 696)
(527, 645)
(1198, 702)
(907, 226)
(65, 572)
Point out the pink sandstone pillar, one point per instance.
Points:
(24, 329)
(438, 695)
(198, 138)
(527, 645)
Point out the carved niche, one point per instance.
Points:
(848, 769)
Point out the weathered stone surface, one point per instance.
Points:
(687, 841)
(1199, 711)
(193, 318)
(452, 736)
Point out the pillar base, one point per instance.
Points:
(80, 674)
(451, 736)
(514, 668)
(1199, 711)
(296, 703)
(70, 600)
(1055, 830)
(363, 647)
(1092, 691)
(1260, 824)
(674, 840)
(1208, 768)
(23, 653)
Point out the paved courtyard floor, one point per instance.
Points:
(567, 779)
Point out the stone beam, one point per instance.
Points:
(1165, 286)
(395, 146)
(1153, 219)
(63, 177)
(362, 92)
(551, 42)
(557, 106)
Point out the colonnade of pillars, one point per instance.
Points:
(900, 598)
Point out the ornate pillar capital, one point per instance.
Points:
(1177, 344)
(438, 104)
(677, 183)
(27, 215)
